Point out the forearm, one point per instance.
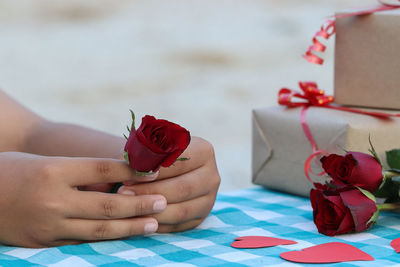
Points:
(24, 131)
(61, 139)
(16, 122)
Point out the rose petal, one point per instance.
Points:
(361, 207)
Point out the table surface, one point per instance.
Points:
(246, 212)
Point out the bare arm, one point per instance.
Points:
(62, 139)
(24, 131)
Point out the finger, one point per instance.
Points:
(56, 243)
(198, 152)
(153, 177)
(185, 187)
(97, 205)
(178, 168)
(81, 229)
(186, 211)
(88, 171)
(168, 228)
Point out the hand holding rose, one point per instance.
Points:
(41, 205)
(189, 186)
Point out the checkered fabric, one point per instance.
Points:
(247, 212)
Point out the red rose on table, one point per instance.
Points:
(341, 210)
(155, 143)
(355, 168)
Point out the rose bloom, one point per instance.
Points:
(155, 143)
(355, 168)
(341, 210)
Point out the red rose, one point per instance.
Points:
(355, 168)
(155, 143)
(341, 210)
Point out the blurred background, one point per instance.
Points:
(204, 64)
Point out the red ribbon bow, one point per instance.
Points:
(328, 29)
(311, 95)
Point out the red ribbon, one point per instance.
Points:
(310, 95)
(328, 29)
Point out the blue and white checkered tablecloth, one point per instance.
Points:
(240, 213)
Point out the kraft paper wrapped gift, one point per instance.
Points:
(367, 60)
(280, 147)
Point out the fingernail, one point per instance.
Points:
(127, 192)
(159, 205)
(150, 228)
(150, 176)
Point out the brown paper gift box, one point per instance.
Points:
(367, 60)
(280, 147)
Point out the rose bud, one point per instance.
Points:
(155, 143)
(342, 210)
(355, 168)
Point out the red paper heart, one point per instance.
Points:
(259, 242)
(396, 244)
(327, 253)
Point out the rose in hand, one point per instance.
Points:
(154, 144)
(342, 209)
(154, 147)
(355, 168)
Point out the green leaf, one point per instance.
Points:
(126, 157)
(133, 120)
(330, 185)
(182, 159)
(129, 130)
(373, 219)
(373, 151)
(126, 138)
(389, 189)
(384, 178)
(393, 158)
(367, 194)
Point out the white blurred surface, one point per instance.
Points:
(204, 64)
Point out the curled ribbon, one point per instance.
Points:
(328, 29)
(311, 96)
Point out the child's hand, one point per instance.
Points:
(190, 188)
(40, 204)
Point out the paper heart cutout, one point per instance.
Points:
(327, 253)
(396, 244)
(260, 242)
